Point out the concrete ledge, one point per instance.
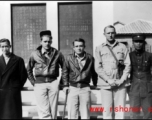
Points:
(61, 88)
(30, 108)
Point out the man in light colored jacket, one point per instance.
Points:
(113, 86)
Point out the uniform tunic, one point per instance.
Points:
(141, 83)
(107, 69)
(105, 63)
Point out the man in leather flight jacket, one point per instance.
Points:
(141, 83)
(47, 61)
(76, 75)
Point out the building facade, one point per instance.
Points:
(21, 22)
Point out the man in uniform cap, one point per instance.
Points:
(47, 61)
(141, 83)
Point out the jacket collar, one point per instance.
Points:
(84, 56)
(52, 53)
(139, 52)
(76, 64)
(42, 51)
(13, 59)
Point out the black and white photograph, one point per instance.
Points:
(76, 60)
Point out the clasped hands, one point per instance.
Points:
(115, 82)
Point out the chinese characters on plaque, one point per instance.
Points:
(27, 22)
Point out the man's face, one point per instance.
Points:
(5, 47)
(46, 42)
(110, 34)
(78, 47)
(138, 44)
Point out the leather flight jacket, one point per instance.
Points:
(72, 74)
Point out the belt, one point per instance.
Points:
(46, 79)
(79, 85)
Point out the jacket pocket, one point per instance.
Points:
(149, 86)
(146, 65)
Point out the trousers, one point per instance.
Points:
(47, 97)
(79, 99)
(113, 101)
(141, 103)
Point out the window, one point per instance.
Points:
(75, 21)
(27, 22)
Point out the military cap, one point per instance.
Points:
(138, 37)
(46, 32)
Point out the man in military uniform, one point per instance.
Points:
(113, 85)
(141, 85)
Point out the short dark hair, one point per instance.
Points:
(48, 36)
(79, 40)
(5, 40)
(46, 33)
(109, 26)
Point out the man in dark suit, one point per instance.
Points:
(13, 76)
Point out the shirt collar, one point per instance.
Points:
(139, 52)
(76, 55)
(8, 56)
(43, 51)
(115, 43)
(106, 43)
